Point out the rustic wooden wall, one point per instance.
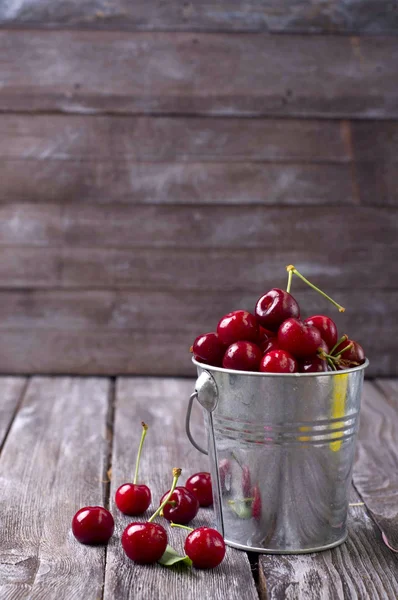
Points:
(161, 163)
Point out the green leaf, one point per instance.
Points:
(171, 557)
(241, 509)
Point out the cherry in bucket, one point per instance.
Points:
(132, 498)
(93, 525)
(204, 546)
(209, 349)
(237, 326)
(274, 307)
(145, 543)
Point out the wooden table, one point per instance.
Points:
(60, 438)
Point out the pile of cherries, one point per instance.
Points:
(275, 340)
(147, 542)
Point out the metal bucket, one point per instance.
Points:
(281, 450)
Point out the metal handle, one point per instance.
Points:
(188, 424)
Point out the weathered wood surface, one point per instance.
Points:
(331, 76)
(53, 463)
(376, 467)
(373, 16)
(162, 404)
(179, 226)
(104, 332)
(11, 394)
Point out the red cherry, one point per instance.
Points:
(242, 356)
(208, 349)
(274, 307)
(326, 327)
(278, 361)
(271, 344)
(224, 471)
(354, 354)
(145, 543)
(246, 482)
(133, 499)
(299, 339)
(237, 326)
(256, 504)
(183, 508)
(315, 364)
(200, 485)
(93, 525)
(205, 547)
(264, 335)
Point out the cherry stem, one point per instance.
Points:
(344, 349)
(292, 269)
(331, 363)
(181, 526)
(343, 338)
(176, 474)
(243, 500)
(137, 462)
(289, 281)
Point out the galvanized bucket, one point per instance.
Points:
(281, 449)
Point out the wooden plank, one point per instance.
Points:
(186, 269)
(116, 140)
(11, 392)
(175, 183)
(180, 226)
(361, 568)
(376, 467)
(52, 464)
(162, 403)
(227, 15)
(330, 76)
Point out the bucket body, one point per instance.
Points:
(281, 451)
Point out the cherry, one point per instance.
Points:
(246, 482)
(93, 525)
(271, 344)
(326, 327)
(224, 472)
(204, 546)
(237, 326)
(200, 485)
(274, 307)
(264, 335)
(146, 543)
(208, 349)
(256, 504)
(317, 363)
(299, 339)
(278, 361)
(351, 352)
(131, 498)
(182, 506)
(242, 356)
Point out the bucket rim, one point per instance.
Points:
(294, 375)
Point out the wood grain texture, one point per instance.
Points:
(179, 226)
(161, 403)
(376, 467)
(51, 465)
(372, 16)
(360, 569)
(11, 392)
(170, 73)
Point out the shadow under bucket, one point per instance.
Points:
(281, 449)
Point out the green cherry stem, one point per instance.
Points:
(344, 349)
(137, 462)
(343, 338)
(181, 526)
(176, 474)
(289, 280)
(331, 364)
(292, 269)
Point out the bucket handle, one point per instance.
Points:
(188, 424)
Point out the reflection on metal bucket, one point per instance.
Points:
(281, 451)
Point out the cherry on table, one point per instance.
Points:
(144, 543)
(209, 349)
(93, 525)
(205, 547)
(181, 507)
(224, 472)
(274, 307)
(278, 361)
(242, 356)
(326, 327)
(132, 498)
(298, 338)
(236, 326)
(200, 485)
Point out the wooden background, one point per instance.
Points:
(162, 162)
